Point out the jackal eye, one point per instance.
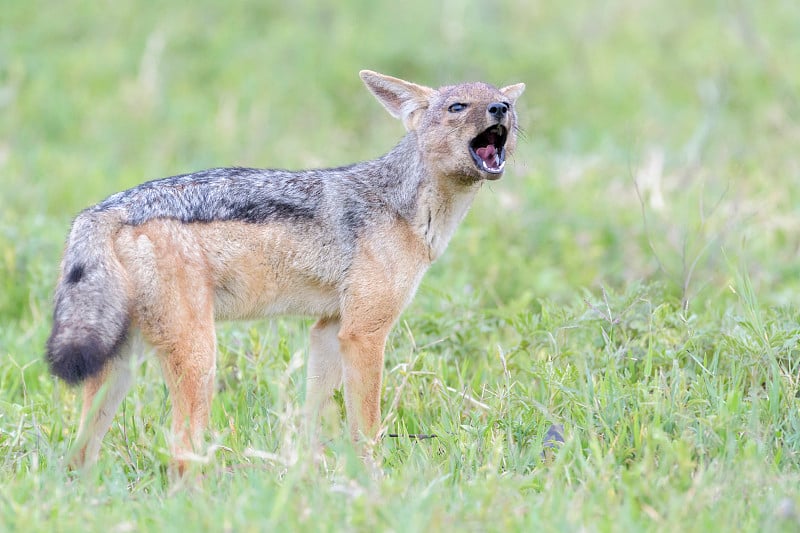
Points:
(457, 107)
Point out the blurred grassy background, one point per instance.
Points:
(659, 163)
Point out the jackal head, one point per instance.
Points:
(465, 131)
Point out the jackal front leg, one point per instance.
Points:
(362, 368)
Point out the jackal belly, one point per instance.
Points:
(288, 296)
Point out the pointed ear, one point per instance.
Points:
(403, 99)
(513, 91)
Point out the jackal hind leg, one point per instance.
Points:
(189, 370)
(324, 376)
(102, 395)
(172, 289)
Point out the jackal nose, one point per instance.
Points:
(498, 110)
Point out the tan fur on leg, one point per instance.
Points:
(362, 370)
(189, 373)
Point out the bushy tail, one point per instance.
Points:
(91, 316)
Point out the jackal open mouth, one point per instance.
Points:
(488, 149)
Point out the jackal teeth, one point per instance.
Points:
(494, 170)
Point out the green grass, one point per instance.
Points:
(633, 277)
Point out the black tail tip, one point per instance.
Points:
(74, 363)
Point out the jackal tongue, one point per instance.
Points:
(489, 155)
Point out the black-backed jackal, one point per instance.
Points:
(162, 261)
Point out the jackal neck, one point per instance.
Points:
(403, 172)
(432, 204)
(442, 207)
